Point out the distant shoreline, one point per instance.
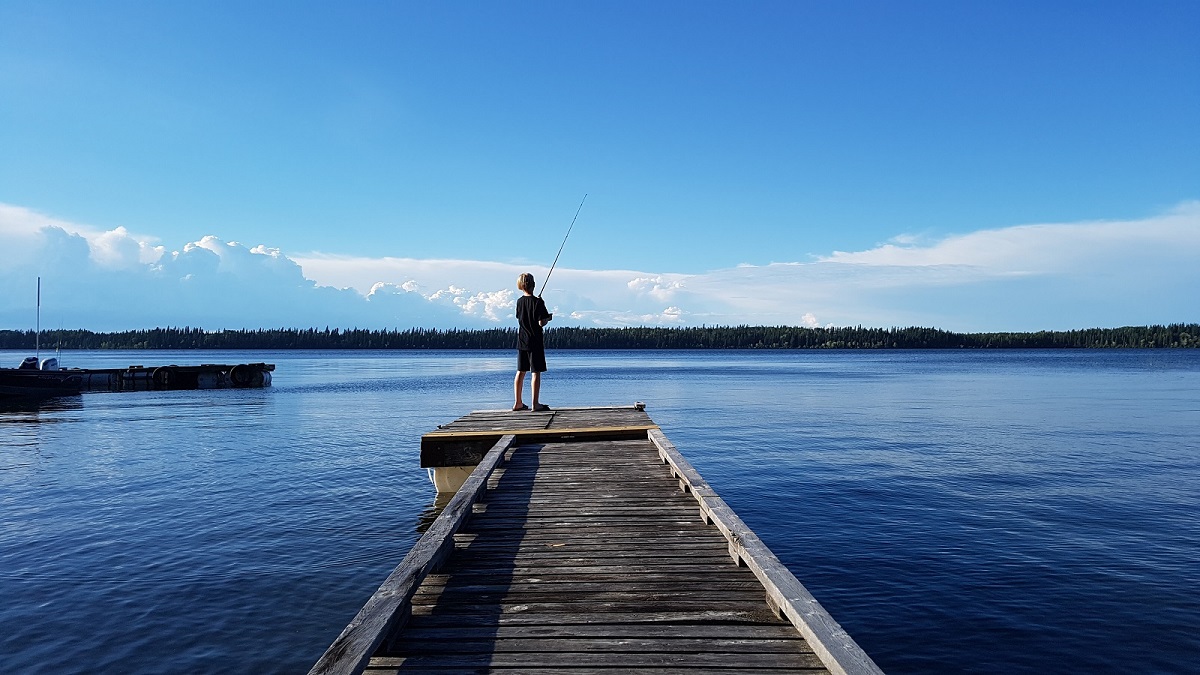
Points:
(1172, 336)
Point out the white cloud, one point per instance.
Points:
(905, 239)
(494, 306)
(1022, 277)
(669, 316)
(1041, 249)
(116, 250)
(658, 287)
(403, 305)
(113, 249)
(19, 222)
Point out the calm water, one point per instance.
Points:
(982, 512)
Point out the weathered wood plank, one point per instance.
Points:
(581, 670)
(551, 557)
(425, 619)
(524, 432)
(699, 631)
(580, 510)
(614, 568)
(780, 661)
(567, 520)
(519, 587)
(414, 645)
(549, 576)
(548, 535)
(618, 541)
(746, 608)
(614, 599)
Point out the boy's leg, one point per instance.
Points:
(518, 386)
(536, 383)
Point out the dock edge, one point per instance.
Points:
(389, 606)
(786, 595)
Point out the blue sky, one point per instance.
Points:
(392, 164)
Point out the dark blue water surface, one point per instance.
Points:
(956, 511)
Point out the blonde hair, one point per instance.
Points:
(525, 282)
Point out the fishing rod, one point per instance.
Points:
(560, 248)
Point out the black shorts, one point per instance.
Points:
(531, 360)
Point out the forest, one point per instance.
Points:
(706, 337)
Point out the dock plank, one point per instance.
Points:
(781, 662)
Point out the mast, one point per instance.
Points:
(37, 340)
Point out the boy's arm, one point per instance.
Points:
(546, 316)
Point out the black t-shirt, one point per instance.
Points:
(530, 312)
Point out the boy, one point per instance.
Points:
(531, 351)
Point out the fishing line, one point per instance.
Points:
(560, 247)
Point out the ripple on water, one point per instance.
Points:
(984, 512)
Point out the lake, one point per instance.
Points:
(955, 511)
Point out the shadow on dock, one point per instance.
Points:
(456, 613)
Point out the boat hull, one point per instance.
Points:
(38, 384)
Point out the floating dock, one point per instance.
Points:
(172, 378)
(32, 384)
(582, 541)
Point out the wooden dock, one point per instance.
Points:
(581, 542)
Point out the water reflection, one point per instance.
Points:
(432, 511)
(30, 410)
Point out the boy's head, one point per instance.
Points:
(525, 282)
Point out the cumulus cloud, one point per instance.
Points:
(1017, 278)
(109, 280)
(404, 305)
(117, 250)
(659, 287)
(21, 228)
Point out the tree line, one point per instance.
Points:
(705, 337)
